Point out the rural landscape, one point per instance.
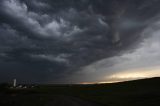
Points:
(79, 52)
(144, 92)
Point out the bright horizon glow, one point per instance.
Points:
(135, 74)
(129, 75)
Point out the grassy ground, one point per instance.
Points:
(133, 93)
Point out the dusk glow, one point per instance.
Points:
(140, 74)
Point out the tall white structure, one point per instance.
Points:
(14, 82)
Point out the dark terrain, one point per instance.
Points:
(145, 92)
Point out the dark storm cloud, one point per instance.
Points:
(48, 40)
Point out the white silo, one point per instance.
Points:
(14, 82)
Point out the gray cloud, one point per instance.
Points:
(20, 12)
(142, 61)
(52, 41)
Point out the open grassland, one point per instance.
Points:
(144, 92)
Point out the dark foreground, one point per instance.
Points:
(133, 93)
(40, 100)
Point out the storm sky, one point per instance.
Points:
(77, 41)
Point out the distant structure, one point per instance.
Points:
(21, 86)
(14, 82)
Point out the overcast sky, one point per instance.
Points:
(77, 41)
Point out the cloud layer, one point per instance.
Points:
(63, 41)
